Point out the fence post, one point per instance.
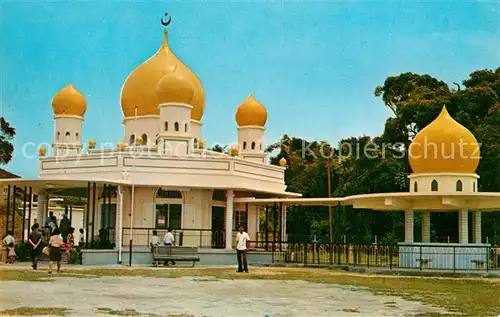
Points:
(454, 256)
(181, 238)
(488, 253)
(420, 259)
(391, 251)
(368, 260)
(305, 254)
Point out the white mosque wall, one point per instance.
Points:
(151, 169)
(446, 182)
(175, 119)
(143, 125)
(196, 130)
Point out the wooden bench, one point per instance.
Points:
(171, 253)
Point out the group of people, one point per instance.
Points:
(61, 240)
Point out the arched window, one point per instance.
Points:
(244, 145)
(415, 186)
(67, 137)
(185, 127)
(176, 126)
(474, 186)
(219, 195)
(434, 186)
(166, 126)
(253, 145)
(132, 139)
(172, 194)
(144, 139)
(58, 136)
(459, 186)
(260, 146)
(77, 137)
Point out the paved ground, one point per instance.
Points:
(203, 296)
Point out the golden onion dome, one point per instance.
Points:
(42, 151)
(201, 144)
(233, 151)
(251, 113)
(69, 101)
(92, 144)
(175, 87)
(283, 161)
(444, 146)
(141, 85)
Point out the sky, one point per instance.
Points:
(314, 65)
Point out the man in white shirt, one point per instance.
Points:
(243, 243)
(169, 240)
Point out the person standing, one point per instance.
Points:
(64, 226)
(81, 241)
(243, 244)
(12, 253)
(34, 241)
(6, 241)
(55, 244)
(169, 240)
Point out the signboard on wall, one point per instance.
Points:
(161, 221)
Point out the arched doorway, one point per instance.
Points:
(218, 218)
(168, 207)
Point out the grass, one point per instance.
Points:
(133, 312)
(38, 311)
(466, 296)
(350, 310)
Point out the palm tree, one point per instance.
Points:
(7, 133)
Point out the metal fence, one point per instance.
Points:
(422, 257)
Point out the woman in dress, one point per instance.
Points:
(55, 244)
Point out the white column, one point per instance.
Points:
(463, 226)
(229, 219)
(40, 209)
(409, 224)
(476, 227)
(283, 215)
(119, 226)
(426, 226)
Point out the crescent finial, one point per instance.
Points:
(167, 22)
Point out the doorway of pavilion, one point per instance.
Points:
(218, 219)
(168, 209)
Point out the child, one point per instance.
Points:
(12, 253)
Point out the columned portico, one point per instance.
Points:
(229, 219)
(426, 226)
(476, 227)
(463, 226)
(409, 226)
(40, 209)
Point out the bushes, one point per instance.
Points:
(22, 251)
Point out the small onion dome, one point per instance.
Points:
(175, 87)
(42, 151)
(251, 113)
(233, 151)
(122, 145)
(69, 101)
(444, 146)
(283, 161)
(92, 144)
(201, 144)
(138, 140)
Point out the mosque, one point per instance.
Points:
(161, 176)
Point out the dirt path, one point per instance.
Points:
(203, 296)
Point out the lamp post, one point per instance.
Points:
(133, 194)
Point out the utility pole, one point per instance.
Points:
(330, 215)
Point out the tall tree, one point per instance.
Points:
(7, 133)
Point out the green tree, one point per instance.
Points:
(7, 133)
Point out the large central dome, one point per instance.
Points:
(140, 86)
